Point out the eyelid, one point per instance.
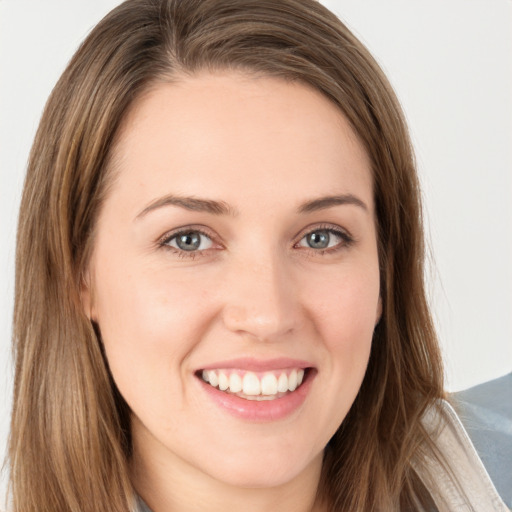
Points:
(164, 240)
(322, 226)
(344, 234)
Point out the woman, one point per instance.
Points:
(219, 292)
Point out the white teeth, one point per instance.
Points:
(292, 380)
(254, 387)
(251, 384)
(235, 383)
(260, 398)
(269, 384)
(213, 379)
(223, 381)
(282, 383)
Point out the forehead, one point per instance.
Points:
(234, 136)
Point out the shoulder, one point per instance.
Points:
(486, 413)
(456, 477)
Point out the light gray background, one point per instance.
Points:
(450, 62)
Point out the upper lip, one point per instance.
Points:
(258, 365)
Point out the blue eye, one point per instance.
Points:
(190, 241)
(321, 239)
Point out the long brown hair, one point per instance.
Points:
(70, 433)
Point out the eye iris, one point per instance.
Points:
(189, 241)
(318, 239)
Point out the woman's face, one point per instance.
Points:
(237, 246)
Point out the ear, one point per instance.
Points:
(87, 295)
(379, 311)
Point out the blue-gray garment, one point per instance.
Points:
(486, 413)
(141, 506)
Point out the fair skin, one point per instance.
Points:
(266, 277)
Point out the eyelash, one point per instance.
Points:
(346, 241)
(164, 241)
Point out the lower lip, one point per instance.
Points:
(264, 410)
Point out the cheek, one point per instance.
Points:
(345, 313)
(149, 324)
(145, 306)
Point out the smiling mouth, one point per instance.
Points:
(259, 386)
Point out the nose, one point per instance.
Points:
(261, 300)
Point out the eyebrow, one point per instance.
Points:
(325, 202)
(196, 204)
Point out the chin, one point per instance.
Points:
(262, 470)
(257, 478)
